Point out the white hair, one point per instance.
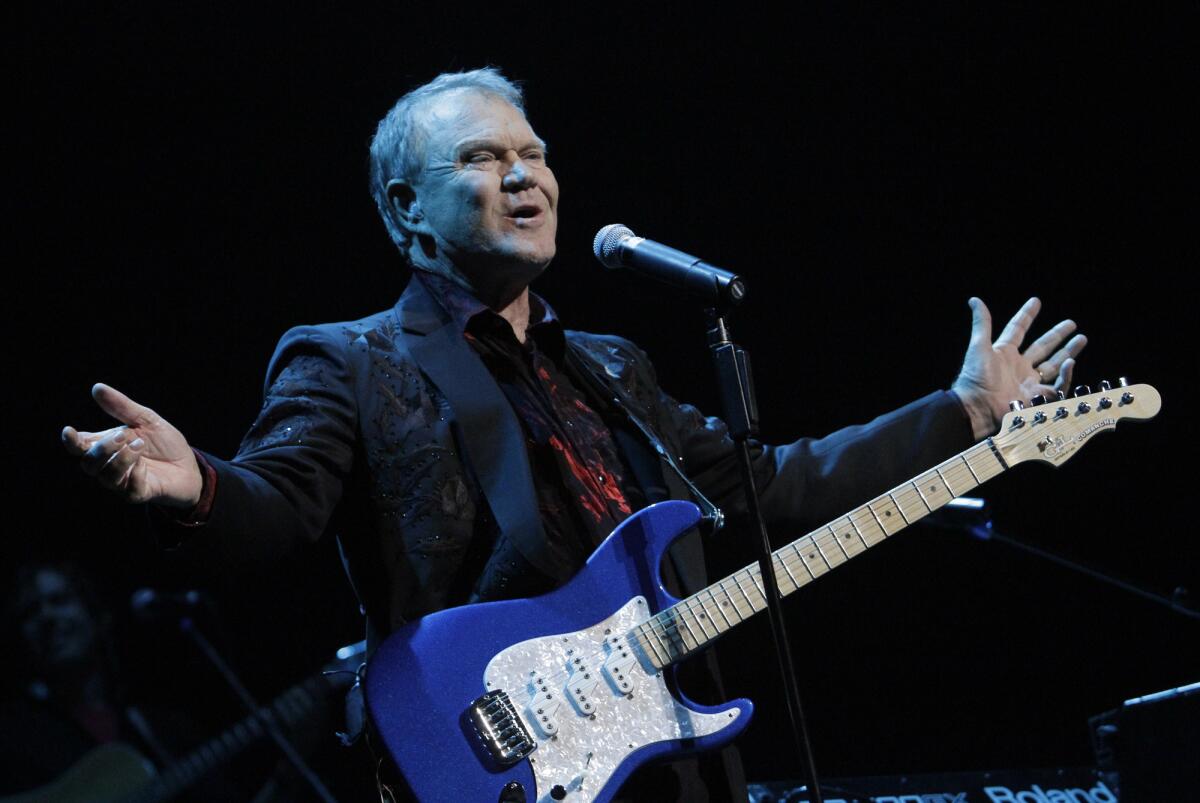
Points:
(398, 147)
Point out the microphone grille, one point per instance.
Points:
(607, 244)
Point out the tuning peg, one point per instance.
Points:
(1123, 381)
(1038, 400)
(1016, 404)
(1105, 402)
(1082, 390)
(1060, 395)
(1126, 398)
(1084, 407)
(1105, 384)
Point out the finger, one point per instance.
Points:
(1064, 375)
(1014, 333)
(101, 451)
(120, 406)
(77, 442)
(116, 472)
(1051, 366)
(981, 323)
(1041, 348)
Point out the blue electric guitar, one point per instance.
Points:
(562, 696)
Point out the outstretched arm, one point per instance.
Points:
(146, 459)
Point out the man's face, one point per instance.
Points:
(486, 196)
(57, 627)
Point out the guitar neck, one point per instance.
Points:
(290, 708)
(693, 623)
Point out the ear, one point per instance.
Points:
(402, 198)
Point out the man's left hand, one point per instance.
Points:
(994, 374)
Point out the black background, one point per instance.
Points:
(186, 183)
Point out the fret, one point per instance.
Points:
(897, 506)
(885, 514)
(756, 579)
(858, 532)
(720, 610)
(661, 653)
(935, 490)
(713, 620)
(681, 616)
(951, 490)
(827, 534)
(658, 655)
(849, 542)
(827, 543)
(809, 556)
(912, 505)
(738, 583)
(701, 619)
(821, 552)
(730, 603)
(917, 487)
(984, 464)
(864, 521)
(794, 546)
(790, 576)
(967, 463)
(674, 634)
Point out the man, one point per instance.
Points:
(463, 446)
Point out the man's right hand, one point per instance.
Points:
(145, 460)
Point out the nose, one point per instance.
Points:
(519, 177)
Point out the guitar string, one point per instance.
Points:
(956, 472)
(903, 496)
(949, 474)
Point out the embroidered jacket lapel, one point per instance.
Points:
(492, 438)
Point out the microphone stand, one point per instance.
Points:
(265, 717)
(740, 410)
(979, 525)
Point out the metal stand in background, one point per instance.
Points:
(971, 515)
(264, 716)
(741, 415)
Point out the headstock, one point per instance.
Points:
(1052, 431)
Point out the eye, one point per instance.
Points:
(534, 156)
(480, 158)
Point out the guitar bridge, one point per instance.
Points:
(500, 729)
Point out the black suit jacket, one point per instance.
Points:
(390, 431)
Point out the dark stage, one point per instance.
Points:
(188, 183)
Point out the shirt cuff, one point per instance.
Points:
(198, 515)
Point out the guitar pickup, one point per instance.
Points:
(499, 729)
(618, 665)
(581, 686)
(543, 706)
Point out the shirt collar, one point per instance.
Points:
(470, 315)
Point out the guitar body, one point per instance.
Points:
(593, 707)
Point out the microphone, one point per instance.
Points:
(618, 247)
(148, 603)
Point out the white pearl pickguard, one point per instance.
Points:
(587, 748)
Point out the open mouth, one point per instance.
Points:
(526, 212)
